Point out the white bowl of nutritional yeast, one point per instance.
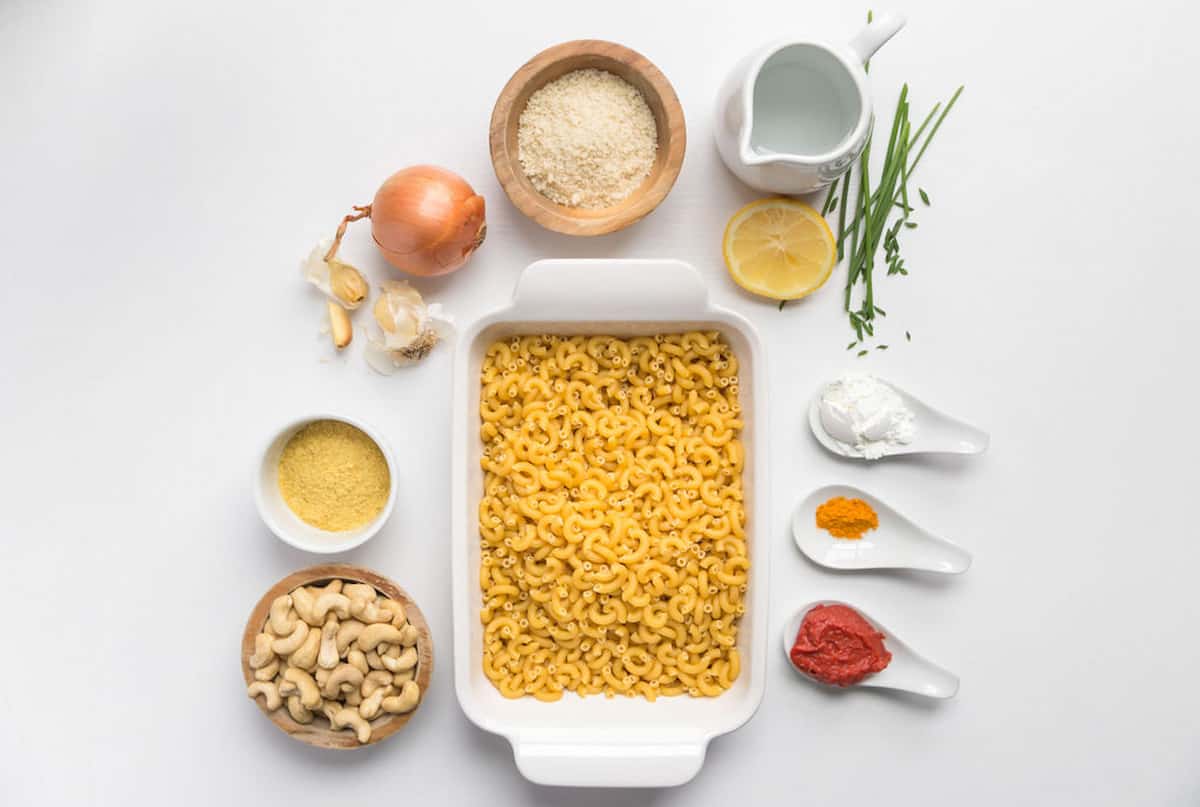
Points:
(290, 528)
(596, 741)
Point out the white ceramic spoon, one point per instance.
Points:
(935, 432)
(908, 670)
(896, 543)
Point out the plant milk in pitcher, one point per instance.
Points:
(804, 103)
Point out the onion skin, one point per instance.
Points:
(427, 220)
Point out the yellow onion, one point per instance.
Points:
(424, 219)
(427, 220)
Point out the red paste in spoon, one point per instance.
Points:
(837, 646)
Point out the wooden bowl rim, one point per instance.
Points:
(381, 728)
(585, 221)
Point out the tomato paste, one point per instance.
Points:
(837, 646)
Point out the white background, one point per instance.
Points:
(162, 171)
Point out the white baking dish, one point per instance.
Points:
(598, 741)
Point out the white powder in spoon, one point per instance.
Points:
(866, 414)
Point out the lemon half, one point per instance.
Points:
(779, 248)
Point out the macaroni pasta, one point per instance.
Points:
(613, 549)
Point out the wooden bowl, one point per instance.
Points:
(551, 64)
(318, 732)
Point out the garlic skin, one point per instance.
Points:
(408, 328)
(337, 279)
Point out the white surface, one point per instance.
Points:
(596, 741)
(163, 167)
(908, 670)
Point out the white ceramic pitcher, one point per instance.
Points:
(794, 115)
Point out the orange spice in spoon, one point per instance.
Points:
(846, 518)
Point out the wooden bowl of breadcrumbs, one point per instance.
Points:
(587, 163)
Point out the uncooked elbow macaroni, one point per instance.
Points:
(613, 550)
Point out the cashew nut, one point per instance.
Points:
(263, 654)
(343, 650)
(406, 661)
(297, 711)
(267, 673)
(328, 657)
(359, 591)
(373, 635)
(409, 635)
(347, 633)
(396, 610)
(269, 691)
(344, 674)
(290, 643)
(350, 718)
(331, 601)
(357, 658)
(304, 601)
(368, 611)
(281, 615)
(375, 680)
(306, 656)
(371, 705)
(406, 701)
(304, 685)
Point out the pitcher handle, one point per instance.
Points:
(874, 34)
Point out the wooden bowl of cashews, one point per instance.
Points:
(318, 647)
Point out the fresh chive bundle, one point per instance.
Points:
(859, 239)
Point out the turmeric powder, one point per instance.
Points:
(846, 518)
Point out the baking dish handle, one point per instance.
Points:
(598, 289)
(601, 765)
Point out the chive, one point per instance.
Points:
(830, 200)
(880, 311)
(881, 347)
(870, 18)
(852, 272)
(902, 155)
(908, 336)
(868, 227)
(851, 345)
(862, 353)
(936, 126)
(924, 123)
(781, 302)
(842, 213)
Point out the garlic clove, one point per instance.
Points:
(409, 329)
(335, 278)
(347, 283)
(339, 325)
